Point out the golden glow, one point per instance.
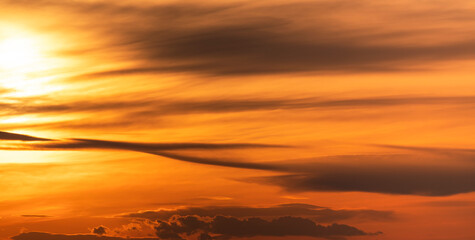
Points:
(16, 52)
(25, 66)
(84, 83)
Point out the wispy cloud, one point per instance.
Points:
(152, 107)
(390, 174)
(150, 148)
(270, 39)
(19, 137)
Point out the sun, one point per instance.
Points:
(27, 66)
(18, 52)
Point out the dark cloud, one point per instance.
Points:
(100, 230)
(222, 162)
(79, 143)
(221, 227)
(50, 236)
(319, 214)
(223, 50)
(247, 38)
(391, 174)
(35, 216)
(19, 137)
(426, 180)
(158, 149)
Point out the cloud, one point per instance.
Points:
(227, 227)
(19, 137)
(219, 223)
(140, 112)
(247, 38)
(394, 175)
(434, 150)
(378, 177)
(219, 227)
(50, 236)
(78, 143)
(156, 149)
(161, 107)
(35, 216)
(389, 174)
(222, 162)
(317, 213)
(269, 39)
(100, 230)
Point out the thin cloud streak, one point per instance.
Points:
(391, 176)
(193, 106)
(20, 137)
(155, 149)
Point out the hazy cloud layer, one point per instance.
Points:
(248, 38)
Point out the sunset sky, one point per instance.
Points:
(255, 120)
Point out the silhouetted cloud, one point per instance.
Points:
(78, 143)
(220, 227)
(35, 215)
(157, 149)
(19, 137)
(100, 230)
(222, 162)
(392, 175)
(392, 178)
(319, 214)
(50, 236)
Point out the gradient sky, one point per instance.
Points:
(272, 120)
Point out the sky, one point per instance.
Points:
(246, 120)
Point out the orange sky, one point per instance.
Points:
(237, 120)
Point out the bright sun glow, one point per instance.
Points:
(25, 66)
(16, 52)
